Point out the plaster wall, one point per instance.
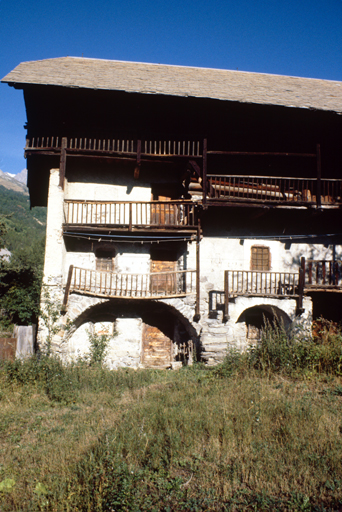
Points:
(124, 343)
(219, 254)
(54, 245)
(114, 186)
(128, 259)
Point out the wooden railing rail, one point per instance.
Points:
(323, 274)
(187, 148)
(158, 214)
(273, 189)
(131, 285)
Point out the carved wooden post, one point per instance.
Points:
(62, 162)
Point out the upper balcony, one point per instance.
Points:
(214, 177)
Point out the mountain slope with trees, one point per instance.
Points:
(22, 232)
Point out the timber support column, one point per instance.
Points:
(204, 172)
(198, 274)
(301, 285)
(226, 297)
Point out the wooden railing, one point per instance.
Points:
(131, 286)
(188, 148)
(154, 214)
(265, 284)
(270, 189)
(262, 284)
(323, 274)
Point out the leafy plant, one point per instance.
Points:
(98, 347)
(50, 314)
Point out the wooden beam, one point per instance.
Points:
(62, 163)
(67, 289)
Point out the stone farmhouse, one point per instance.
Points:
(186, 206)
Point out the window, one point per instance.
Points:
(104, 261)
(260, 258)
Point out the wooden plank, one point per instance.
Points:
(8, 348)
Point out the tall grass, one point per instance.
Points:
(261, 432)
(282, 352)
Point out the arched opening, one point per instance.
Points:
(257, 317)
(147, 333)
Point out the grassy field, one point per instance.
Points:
(248, 435)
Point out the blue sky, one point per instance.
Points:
(296, 37)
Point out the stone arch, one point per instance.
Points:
(162, 315)
(256, 318)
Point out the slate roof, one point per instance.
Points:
(184, 81)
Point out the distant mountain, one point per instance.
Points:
(21, 177)
(11, 182)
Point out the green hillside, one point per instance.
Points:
(25, 227)
(22, 232)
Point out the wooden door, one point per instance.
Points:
(156, 348)
(164, 214)
(164, 284)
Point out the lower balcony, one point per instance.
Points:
(312, 276)
(159, 285)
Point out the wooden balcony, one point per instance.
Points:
(270, 190)
(323, 275)
(313, 275)
(215, 189)
(133, 216)
(159, 285)
(262, 284)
